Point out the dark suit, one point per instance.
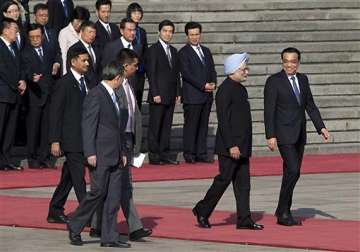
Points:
(52, 42)
(234, 129)
(93, 72)
(285, 120)
(197, 102)
(65, 128)
(103, 136)
(57, 17)
(110, 52)
(10, 74)
(39, 99)
(103, 37)
(164, 81)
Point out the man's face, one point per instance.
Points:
(104, 13)
(76, 23)
(194, 36)
(88, 35)
(129, 32)
(35, 37)
(12, 12)
(130, 69)
(136, 16)
(81, 63)
(290, 63)
(241, 73)
(166, 33)
(10, 32)
(42, 17)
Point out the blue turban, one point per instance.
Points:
(234, 61)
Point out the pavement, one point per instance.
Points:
(324, 196)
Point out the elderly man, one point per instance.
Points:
(233, 145)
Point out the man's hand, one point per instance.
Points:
(325, 134)
(36, 77)
(178, 99)
(21, 86)
(55, 68)
(209, 87)
(124, 160)
(92, 160)
(235, 152)
(55, 149)
(272, 143)
(157, 99)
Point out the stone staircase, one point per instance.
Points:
(327, 32)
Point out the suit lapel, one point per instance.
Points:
(161, 50)
(195, 55)
(111, 103)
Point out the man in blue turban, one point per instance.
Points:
(233, 145)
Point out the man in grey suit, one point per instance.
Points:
(103, 125)
(133, 136)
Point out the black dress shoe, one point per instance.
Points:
(169, 161)
(12, 167)
(140, 233)
(75, 239)
(251, 226)
(155, 162)
(118, 244)
(202, 221)
(95, 233)
(288, 221)
(61, 218)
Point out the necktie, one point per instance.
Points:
(91, 55)
(202, 58)
(46, 35)
(40, 53)
(129, 46)
(12, 51)
(137, 36)
(130, 105)
(66, 11)
(295, 89)
(108, 29)
(82, 87)
(114, 99)
(18, 40)
(168, 53)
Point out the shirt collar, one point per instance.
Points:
(108, 88)
(165, 45)
(104, 24)
(85, 44)
(125, 42)
(7, 43)
(76, 75)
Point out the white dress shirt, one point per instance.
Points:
(126, 43)
(131, 102)
(92, 53)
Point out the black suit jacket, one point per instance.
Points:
(32, 64)
(65, 114)
(284, 118)
(53, 43)
(57, 18)
(143, 44)
(110, 52)
(103, 130)
(195, 75)
(234, 119)
(93, 72)
(103, 37)
(163, 79)
(10, 74)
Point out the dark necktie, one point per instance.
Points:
(46, 35)
(114, 99)
(18, 41)
(108, 29)
(202, 58)
(168, 53)
(295, 89)
(129, 46)
(137, 36)
(40, 54)
(66, 11)
(91, 55)
(82, 86)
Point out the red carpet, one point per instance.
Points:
(178, 223)
(260, 166)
